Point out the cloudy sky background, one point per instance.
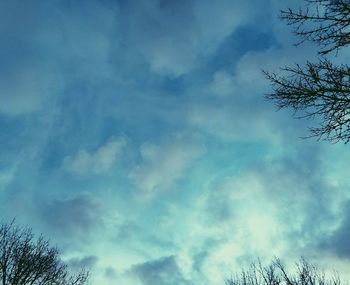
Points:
(135, 135)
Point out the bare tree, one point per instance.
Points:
(26, 260)
(318, 90)
(325, 22)
(276, 274)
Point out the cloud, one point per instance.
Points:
(222, 84)
(279, 205)
(45, 52)
(6, 177)
(165, 163)
(29, 77)
(97, 162)
(337, 241)
(110, 273)
(162, 271)
(28, 88)
(248, 71)
(231, 123)
(168, 49)
(86, 35)
(174, 36)
(86, 262)
(244, 89)
(76, 216)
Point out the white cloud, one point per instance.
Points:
(166, 58)
(97, 162)
(165, 163)
(6, 176)
(223, 84)
(249, 76)
(231, 123)
(210, 246)
(275, 208)
(247, 85)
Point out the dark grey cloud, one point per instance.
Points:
(128, 233)
(163, 271)
(86, 262)
(73, 216)
(338, 242)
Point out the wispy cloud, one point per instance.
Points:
(160, 271)
(97, 162)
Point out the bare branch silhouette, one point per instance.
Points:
(25, 260)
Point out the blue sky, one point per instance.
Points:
(135, 135)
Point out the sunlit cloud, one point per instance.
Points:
(97, 162)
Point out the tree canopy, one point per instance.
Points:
(277, 274)
(318, 90)
(25, 260)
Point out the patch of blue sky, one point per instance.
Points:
(231, 50)
(12, 135)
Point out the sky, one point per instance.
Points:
(136, 137)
